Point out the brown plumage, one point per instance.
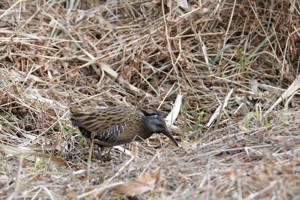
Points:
(116, 125)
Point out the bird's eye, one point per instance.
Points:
(159, 125)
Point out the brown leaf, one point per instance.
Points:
(142, 184)
(128, 70)
(242, 128)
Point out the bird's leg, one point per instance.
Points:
(99, 154)
(106, 157)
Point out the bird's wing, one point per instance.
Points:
(105, 122)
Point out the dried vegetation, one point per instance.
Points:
(239, 57)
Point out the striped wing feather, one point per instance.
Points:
(106, 123)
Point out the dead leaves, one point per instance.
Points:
(140, 185)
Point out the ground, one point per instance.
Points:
(232, 66)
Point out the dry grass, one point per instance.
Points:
(142, 53)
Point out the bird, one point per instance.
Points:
(108, 127)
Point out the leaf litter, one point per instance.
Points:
(184, 57)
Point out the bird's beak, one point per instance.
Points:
(169, 135)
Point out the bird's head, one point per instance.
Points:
(154, 123)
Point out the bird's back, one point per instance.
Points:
(108, 126)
